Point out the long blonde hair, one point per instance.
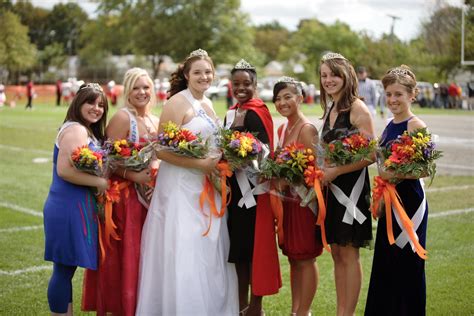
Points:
(129, 80)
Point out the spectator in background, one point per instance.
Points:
(58, 92)
(29, 94)
(452, 95)
(367, 90)
(3, 97)
(111, 92)
(66, 91)
(443, 95)
(470, 94)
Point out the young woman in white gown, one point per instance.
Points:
(181, 271)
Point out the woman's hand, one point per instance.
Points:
(208, 165)
(102, 185)
(329, 174)
(386, 175)
(280, 184)
(140, 177)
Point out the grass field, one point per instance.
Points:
(26, 136)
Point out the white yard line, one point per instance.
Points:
(21, 209)
(452, 188)
(20, 228)
(26, 270)
(451, 212)
(22, 149)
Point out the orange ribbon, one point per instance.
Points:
(207, 194)
(313, 178)
(387, 191)
(110, 196)
(277, 208)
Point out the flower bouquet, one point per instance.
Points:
(181, 141)
(410, 154)
(128, 155)
(350, 147)
(240, 149)
(87, 160)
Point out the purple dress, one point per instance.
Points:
(397, 282)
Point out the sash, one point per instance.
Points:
(352, 211)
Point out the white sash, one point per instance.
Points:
(244, 178)
(229, 118)
(417, 218)
(352, 211)
(134, 135)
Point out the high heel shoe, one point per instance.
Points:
(244, 311)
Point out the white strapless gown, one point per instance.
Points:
(182, 272)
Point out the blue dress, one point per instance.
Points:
(70, 222)
(397, 282)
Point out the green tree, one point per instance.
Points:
(313, 38)
(36, 19)
(269, 38)
(16, 51)
(176, 27)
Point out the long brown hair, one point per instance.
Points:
(178, 81)
(342, 68)
(88, 93)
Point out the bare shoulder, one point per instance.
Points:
(309, 128)
(415, 123)
(75, 133)
(177, 101)
(120, 117)
(358, 107)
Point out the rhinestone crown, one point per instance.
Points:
(244, 65)
(198, 52)
(332, 55)
(399, 71)
(92, 85)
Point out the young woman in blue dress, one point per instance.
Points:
(397, 283)
(70, 211)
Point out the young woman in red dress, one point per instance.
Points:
(113, 288)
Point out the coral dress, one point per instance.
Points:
(113, 288)
(397, 282)
(70, 219)
(302, 237)
(183, 272)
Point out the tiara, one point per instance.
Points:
(92, 85)
(399, 71)
(198, 53)
(244, 65)
(286, 79)
(332, 55)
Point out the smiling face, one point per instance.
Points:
(200, 75)
(287, 102)
(92, 112)
(243, 86)
(331, 83)
(398, 99)
(140, 95)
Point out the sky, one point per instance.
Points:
(371, 16)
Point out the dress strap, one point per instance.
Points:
(301, 128)
(90, 139)
(133, 134)
(197, 107)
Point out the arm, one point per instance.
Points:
(71, 138)
(178, 110)
(362, 120)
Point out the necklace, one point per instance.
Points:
(239, 113)
(147, 126)
(289, 130)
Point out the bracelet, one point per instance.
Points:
(124, 174)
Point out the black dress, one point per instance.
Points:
(337, 231)
(241, 221)
(397, 282)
